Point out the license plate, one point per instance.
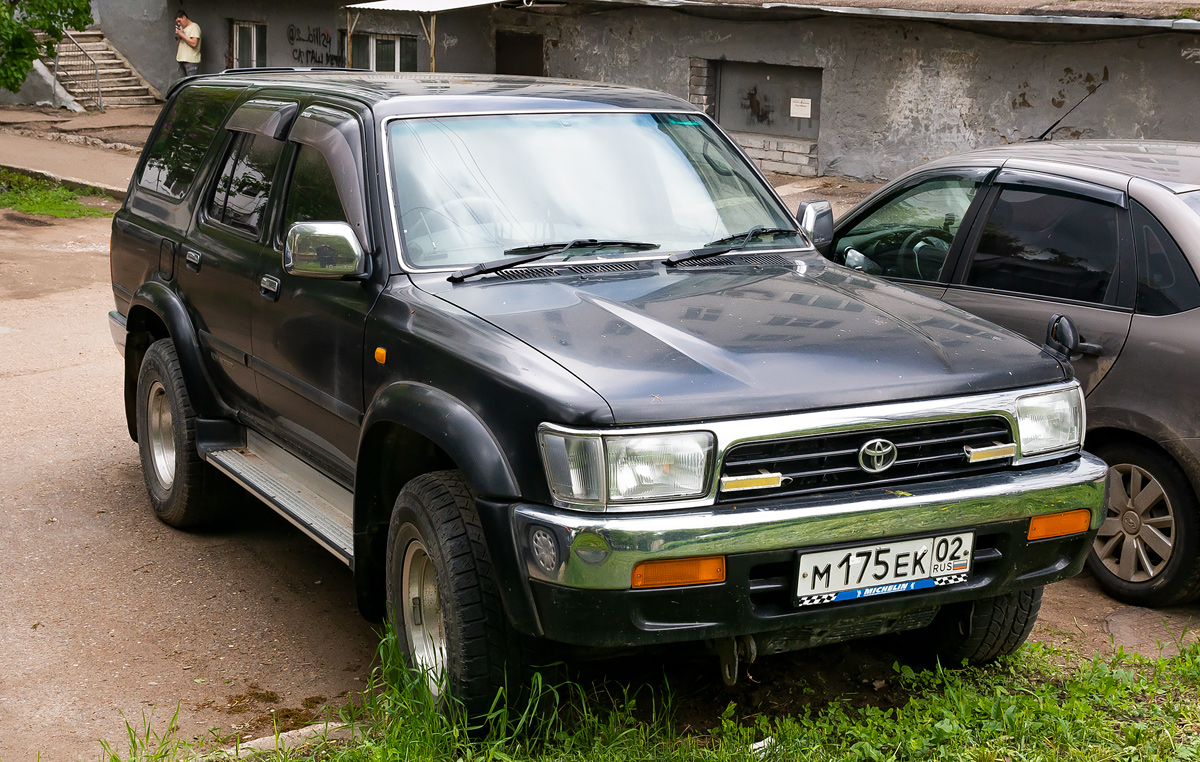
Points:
(884, 568)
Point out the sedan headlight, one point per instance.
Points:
(598, 470)
(1050, 422)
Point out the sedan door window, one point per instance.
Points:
(1048, 243)
(911, 234)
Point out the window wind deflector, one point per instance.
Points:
(725, 245)
(264, 117)
(538, 251)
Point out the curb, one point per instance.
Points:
(291, 740)
(73, 183)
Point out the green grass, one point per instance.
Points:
(33, 195)
(1040, 704)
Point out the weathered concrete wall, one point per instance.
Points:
(896, 93)
(40, 89)
(299, 33)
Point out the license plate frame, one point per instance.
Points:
(884, 567)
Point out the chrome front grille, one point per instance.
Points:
(829, 462)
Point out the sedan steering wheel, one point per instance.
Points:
(931, 243)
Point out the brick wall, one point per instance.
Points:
(787, 156)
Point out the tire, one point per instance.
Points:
(979, 631)
(1146, 550)
(458, 634)
(184, 490)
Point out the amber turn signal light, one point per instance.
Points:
(380, 355)
(675, 572)
(1059, 524)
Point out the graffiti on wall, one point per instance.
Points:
(313, 46)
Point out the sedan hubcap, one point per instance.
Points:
(1137, 535)
(423, 616)
(162, 435)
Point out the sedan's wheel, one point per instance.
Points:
(184, 490)
(442, 596)
(1145, 551)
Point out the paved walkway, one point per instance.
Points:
(71, 164)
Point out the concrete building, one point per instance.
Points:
(841, 88)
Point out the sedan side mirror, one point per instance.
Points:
(816, 219)
(324, 250)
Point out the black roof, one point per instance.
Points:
(403, 93)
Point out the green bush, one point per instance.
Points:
(33, 195)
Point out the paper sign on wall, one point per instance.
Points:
(801, 108)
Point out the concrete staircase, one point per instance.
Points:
(120, 84)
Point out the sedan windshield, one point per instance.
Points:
(468, 189)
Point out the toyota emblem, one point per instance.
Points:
(877, 456)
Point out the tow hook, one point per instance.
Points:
(731, 651)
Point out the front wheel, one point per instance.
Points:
(443, 600)
(1146, 550)
(979, 631)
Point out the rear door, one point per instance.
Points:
(1045, 245)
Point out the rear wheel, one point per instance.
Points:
(1146, 550)
(980, 631)
(443, 600)
(184, 490)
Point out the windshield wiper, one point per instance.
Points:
(724, 245)
(541, 251)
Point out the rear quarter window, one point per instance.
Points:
(187, 132)
(1166, 283)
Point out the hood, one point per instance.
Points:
(685, 344)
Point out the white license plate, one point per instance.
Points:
(884, 568)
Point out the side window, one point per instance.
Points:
(910, 235)
(312, 194)
(240, 196)
(1049, 244)
(187, 131)
(1166, 283)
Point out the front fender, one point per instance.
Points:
(452, 426)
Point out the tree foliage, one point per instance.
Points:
(20, 20)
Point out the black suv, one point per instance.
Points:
(549, 359)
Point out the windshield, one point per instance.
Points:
(1192, 199)
(470, 188)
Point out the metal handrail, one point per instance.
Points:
(73, 55)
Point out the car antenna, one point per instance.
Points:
(1064, 116)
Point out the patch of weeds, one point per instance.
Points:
(33, 195)
(1189, 13)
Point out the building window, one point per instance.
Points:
(381, 52)
(249, 45)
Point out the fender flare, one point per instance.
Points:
(168, 307)
(450, 424)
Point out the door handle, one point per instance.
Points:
(192, 260)
(1084, 348)
(269, 287)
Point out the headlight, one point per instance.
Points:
(591, 469)
(1050, 422)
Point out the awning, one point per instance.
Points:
(419, 6)
(432, 7)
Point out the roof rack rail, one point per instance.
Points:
(267, 69)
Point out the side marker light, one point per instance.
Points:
(380, 355)
(1059, 524)
(676, 572)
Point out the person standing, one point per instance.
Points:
(187, 33)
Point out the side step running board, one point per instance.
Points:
(317, 505)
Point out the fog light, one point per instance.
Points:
(545, 549)
(676, 572)
(1059, 524)
(590, 548)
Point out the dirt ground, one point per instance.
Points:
(107, 616)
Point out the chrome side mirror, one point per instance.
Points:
(816, 219)
(324, 250)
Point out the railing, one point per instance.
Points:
(75, 65)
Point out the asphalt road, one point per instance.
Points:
(107, 616)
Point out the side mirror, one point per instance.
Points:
(816, 219)
(324, 250)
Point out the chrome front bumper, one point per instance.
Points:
(599, 551)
